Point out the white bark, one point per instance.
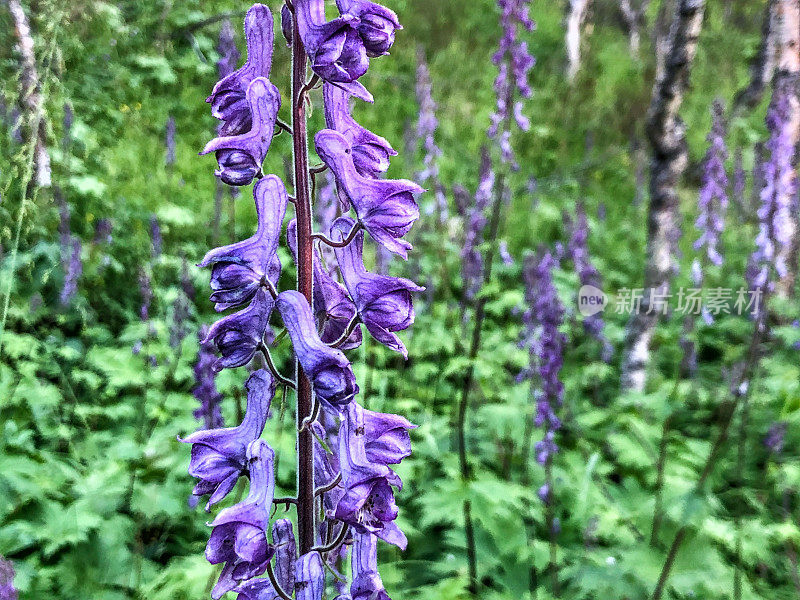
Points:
(30, 96)
(666, 134)
(576, 15)
(634, 17)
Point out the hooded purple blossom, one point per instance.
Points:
(367, 583)
(205, 390)
(376, 24)
(240, 269)
(328, 369)
(385, 207)
(370, 152)
(368, 503)
(240, 155)
(219, 455)
(285, 553)
(239, 538)
(713, 199)
(335, 47)
(238, 336)
(333, 308)
(384, 303)
(309, 575)
(228, 98)
(257, 589)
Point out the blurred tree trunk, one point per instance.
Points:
(666, 135)
(763, 66)
(787, 75)
(576, 15)
(30, 97)
(634, 17)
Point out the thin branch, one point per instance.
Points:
(328, 486)
(341, 244)
(318, 169)
(335, 543)
(351, 326)
(273, 369)
(284, 126)
(309, 85)
(274, 581)
(313, 416)
(287, 501)
(192, 27)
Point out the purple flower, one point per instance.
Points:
(368, 502)
(335, 47)
(578, 250)
(367, 583)
(219, 455)
(240, 155)
(546, 345)
(205, 390)
(7, 591)
(776, 437)
(146, 293)
(333, 308)
(73, 269)
(383, 303)
(328, 369)
(376, 24)
(309, 575)
(370, 152)
(228, 99)
(240, 269)
(257, 589)
(471, 258)
(285, 553)
(228, 52)
(239, 537)
(239, 335)
(713, 199)
(169, 141)
(385, 207)
(777, 195)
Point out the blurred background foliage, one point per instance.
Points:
(94, 494)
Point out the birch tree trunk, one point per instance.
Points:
(787, 73)
(666, 135)
(576, 15)
(634, 18)
(763, 66)
(30, 96)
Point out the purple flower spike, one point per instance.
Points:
(239, 538)
(368, 502)
(228, 98)
(334, 47)
(285, 553)
(383, 303)
(333, 308)
(237, 336)
(367, 583)
(328, 369)
(219, 455)
(238, 270)
(240, 155)
(310, 577)
(206, 390)
(371, 152)
(385, 207)
(376, 26)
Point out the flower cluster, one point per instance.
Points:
(777, 196)
(7, 590)
(427, 124)
(70, 257)
(514, 62)
(713, 199)
(356, 482)
(578, 251)
(206, 389)
(545, 344)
